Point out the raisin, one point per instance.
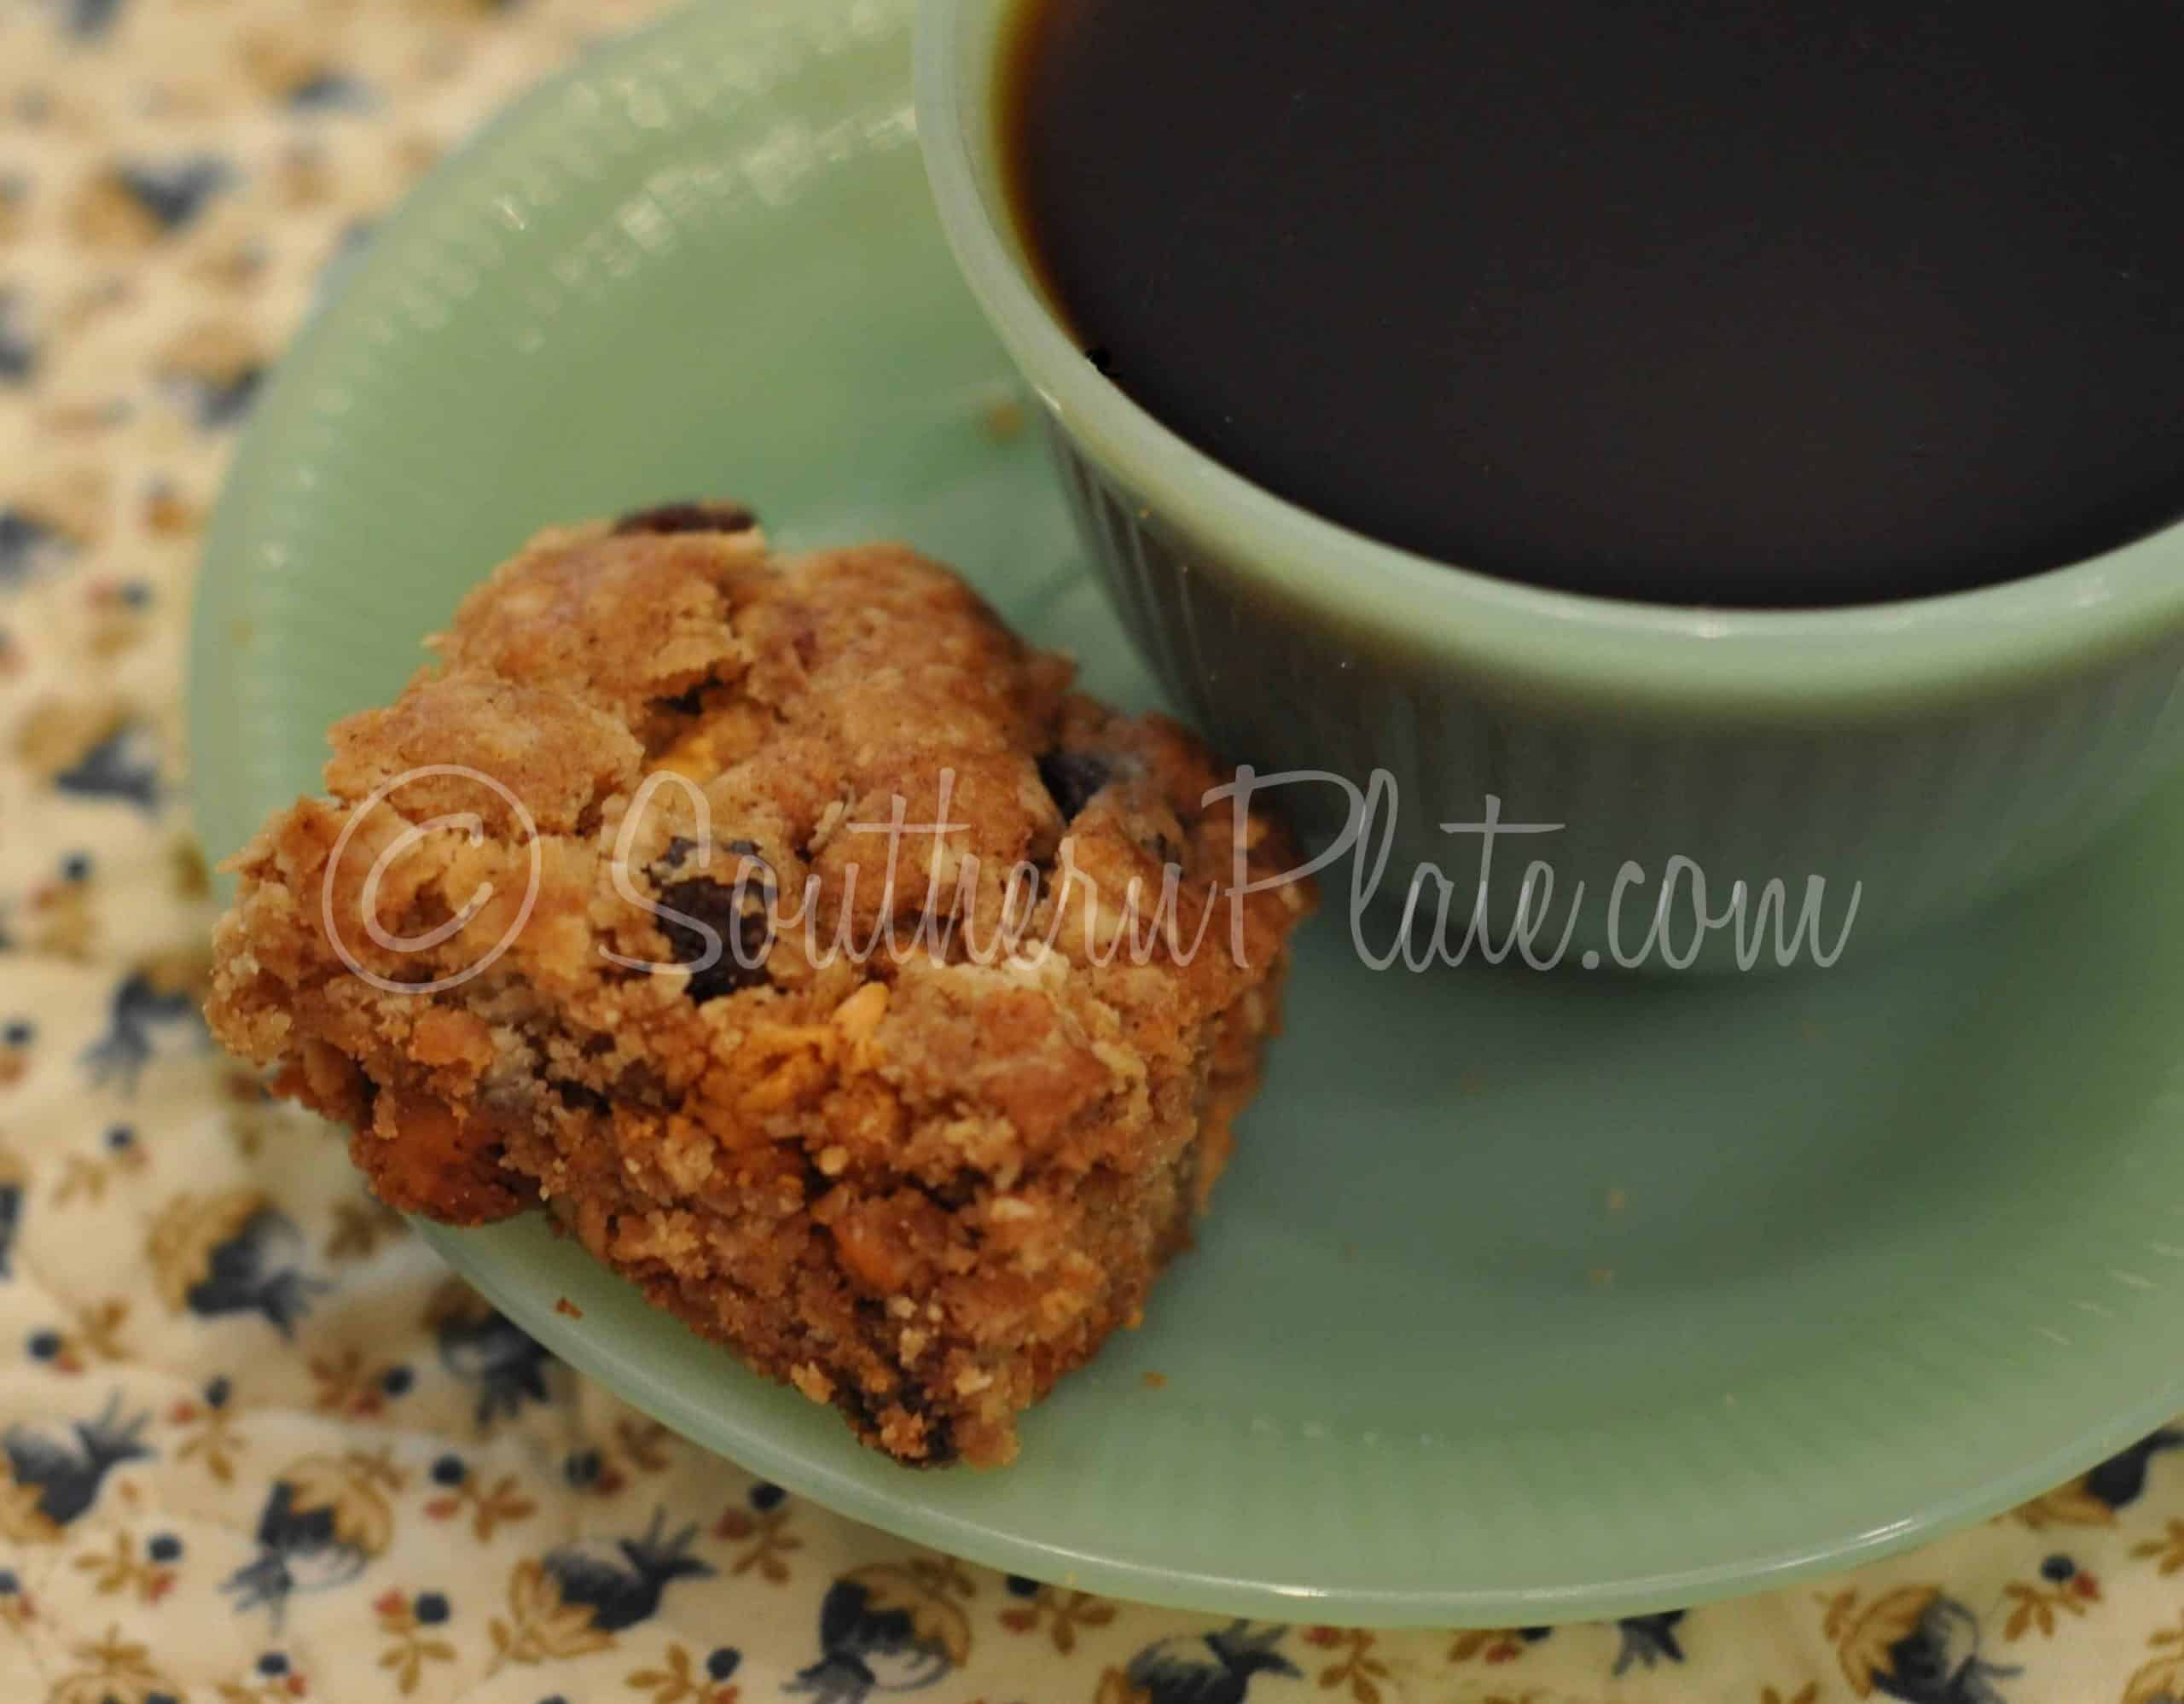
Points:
(939, 1441)
(680, 847)
(688, 517)
(866, 1412)
(578, 1097)
(714, 906)
(1072, 777)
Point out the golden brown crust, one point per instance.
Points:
(919, 1177)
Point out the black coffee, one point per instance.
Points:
(1756, 302)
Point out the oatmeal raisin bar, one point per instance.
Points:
(600, 913)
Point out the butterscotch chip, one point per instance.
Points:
(606, 913)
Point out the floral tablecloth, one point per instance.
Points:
(255, 1444)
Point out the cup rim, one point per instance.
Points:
(2057, 621)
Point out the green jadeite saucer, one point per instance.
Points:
(1528, 1297)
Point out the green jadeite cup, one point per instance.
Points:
(1923, 755)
